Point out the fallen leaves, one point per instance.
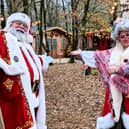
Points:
(73, 101)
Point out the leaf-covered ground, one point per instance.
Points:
(73, 101)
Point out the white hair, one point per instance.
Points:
(120, 25)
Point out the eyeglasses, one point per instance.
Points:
(21, 23)
(122, 36)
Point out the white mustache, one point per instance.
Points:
(20, 30)
(19, 33)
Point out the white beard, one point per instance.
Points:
(20, 34)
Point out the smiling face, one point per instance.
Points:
(124, 38)
(19, 29)
(20, 26)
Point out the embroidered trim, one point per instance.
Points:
(27, 124)
(7, 58)
(9, 84)
(30, 120)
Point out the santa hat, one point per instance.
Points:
(18, 16)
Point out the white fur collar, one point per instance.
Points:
(31, 61)
(118, 55)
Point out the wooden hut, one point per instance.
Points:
(57, 41)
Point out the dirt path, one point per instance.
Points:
(72, 100)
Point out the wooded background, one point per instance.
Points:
(76, 16)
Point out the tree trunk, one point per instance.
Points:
(2, 15)
(35, 10)
(84, 20)
(74, 5)
(25, 6)
(73, 29)
(40, 27)
(45, 27)
(66, 24)
(56, 13)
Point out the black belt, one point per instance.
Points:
(35, 86)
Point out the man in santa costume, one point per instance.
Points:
(22, 98)
(113, 66)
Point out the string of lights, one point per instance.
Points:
(113, 8)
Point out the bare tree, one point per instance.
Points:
(14, 6)
(25, 6)
(74, 4)
(2, 14)
(66, 24)
(45, 6)
(83, 21)
(40, 28)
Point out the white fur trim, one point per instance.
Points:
(20, 17)
(125, 118)
(105, 122)
(118, 55)
(31, 62)
(45, 63)
(41, 112)
(15, 69)
(36, 101)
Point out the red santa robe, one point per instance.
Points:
(19, 71)
(15, 111)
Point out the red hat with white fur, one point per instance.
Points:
(18, 16)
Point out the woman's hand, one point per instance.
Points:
(113, 69)
(76, 52)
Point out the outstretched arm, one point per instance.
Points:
(86, 56)
(45, 61)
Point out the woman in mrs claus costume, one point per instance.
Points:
(113, 66)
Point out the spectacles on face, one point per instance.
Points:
(21, 23)
(124, 35)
